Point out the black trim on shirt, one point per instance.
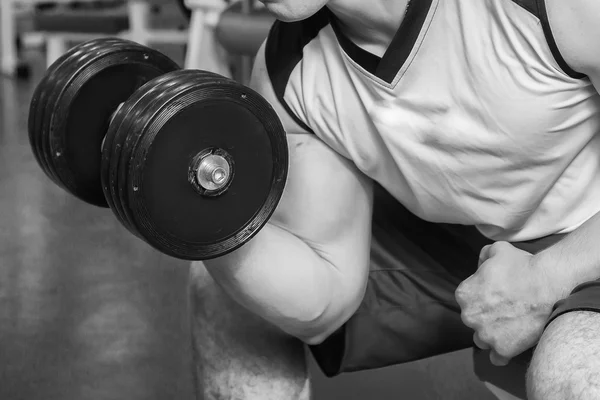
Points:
(368, 61)
(529, 5)
(538, 8)
(284, 50)
(387, 67)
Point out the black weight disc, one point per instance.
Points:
(110, 145)
(128, 122)
(55, 76)
(90, 91)
(39, 106)
(137, 119)
(68, 71)
(168, 211)
(56, 85)
(136, 123)
(53, 86)
(37, 109)
(119, 129)
(133, 123)
(36, 112)
(108, 142)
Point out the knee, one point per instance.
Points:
(203, 290)
(209, 303)
(200, 282)
(212, 309)
(235, 353)
(565, 365)
(552, 382)
(541, 379)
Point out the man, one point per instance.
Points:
(443, 190)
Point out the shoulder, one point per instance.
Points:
(577, 32)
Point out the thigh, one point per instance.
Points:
(220, 325)
(236, 354)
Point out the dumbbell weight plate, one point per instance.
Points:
(92, 87)
(86, 51)
(126, 123)
(139, 119)
(135, 120)
(114, 143)
(90, 91)
(39, 105)
(213, 113)
(53, 88)
(36, 113)
(48, 89)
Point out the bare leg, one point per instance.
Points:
(566, 362)
(238, 355)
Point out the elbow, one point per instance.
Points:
(325, 322)
(314, 314)
(328, 318)
(313, 324)
(316, 338)
(313, 327)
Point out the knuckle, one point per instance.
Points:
(464, 287)
(461, 297)
(501, 245)
(484, 336)
(502, 350)
(465, 318)
(460, 292)
(468, 319)
(480, 342)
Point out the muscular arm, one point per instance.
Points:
(306, 270)
(577, 34)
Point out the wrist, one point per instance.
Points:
(556, 279)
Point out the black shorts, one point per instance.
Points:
(409, 311)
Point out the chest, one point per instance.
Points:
(494, 98)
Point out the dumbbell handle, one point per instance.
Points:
(213, 172)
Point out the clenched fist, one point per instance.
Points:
(507, 301)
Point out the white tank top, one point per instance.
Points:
(471, 117)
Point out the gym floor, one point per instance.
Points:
(87, 311)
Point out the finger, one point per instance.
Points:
(498, 360)
(480, 343)
(484, 254)
(461, 296)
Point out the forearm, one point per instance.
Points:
(283, 280)
(573, 260)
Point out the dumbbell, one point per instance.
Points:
(189, 161)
